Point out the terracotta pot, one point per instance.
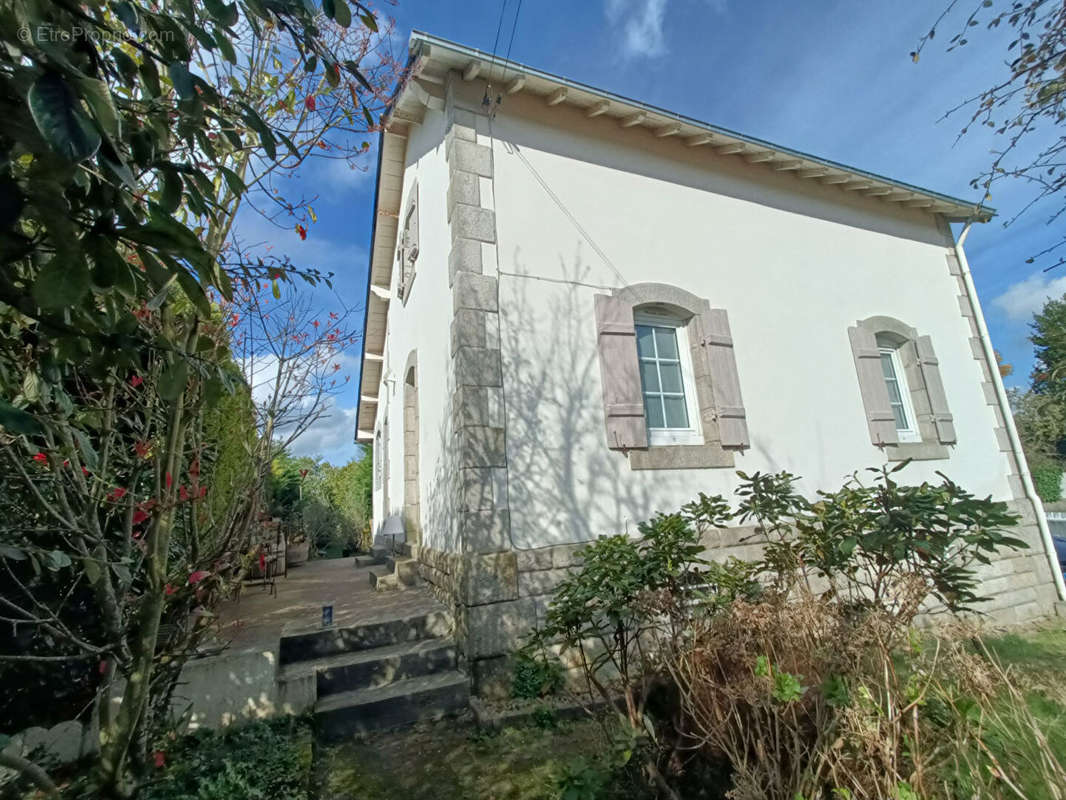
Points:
(296, 554)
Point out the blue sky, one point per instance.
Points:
(830, 78)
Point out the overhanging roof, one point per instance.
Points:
(432, 58)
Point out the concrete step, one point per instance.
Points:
(368, 669)
(401, 703)
(380, 551)
(405, 569)
(323, 642)
(370, 560)
(383, 579)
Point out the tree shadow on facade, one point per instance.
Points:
(565, 485)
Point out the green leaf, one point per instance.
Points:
(63, 125)
(369, 21)
(233, 181)
(224, 14)
(88, 452)
(98, 96)
(58, 560)
(61, 283)
(275, 290)
(11, 553)
(266, 138)
(226, 47)
(182, 80)
(342, 13)
(172, 381)
(170, 186)
(17, 421)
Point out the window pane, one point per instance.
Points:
(653, 404)
(901, 417)
(649, 376)
(645, 345)
(666, 339)
(895, 398)
(676, 412)
(887, 367)
(671, 375)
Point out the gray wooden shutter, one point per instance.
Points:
(623, 402)
(934, 385)
(725, 381)
(872, 386)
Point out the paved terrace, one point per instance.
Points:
(259, 618)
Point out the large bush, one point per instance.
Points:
(802, 671)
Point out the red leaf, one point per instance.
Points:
(136, 381)
(183, 493)
(139, 516)
(169, 590)
(197, 576)
(117, 493)
(300, 229)
(159, 758)
(309, 102)
(41, 458)
(170, 481)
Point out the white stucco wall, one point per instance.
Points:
(583, 206)
(423, 325)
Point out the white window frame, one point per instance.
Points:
(910, 433)
(670, 436)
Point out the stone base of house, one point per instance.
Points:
(497, 599)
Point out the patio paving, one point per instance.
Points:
(259, 618)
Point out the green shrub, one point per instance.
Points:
(1047, 478)
(270, 760)
(534, 676)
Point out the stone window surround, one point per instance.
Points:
(711, 454)
(929, 448)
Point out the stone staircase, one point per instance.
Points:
(376, 676)
(400, 569)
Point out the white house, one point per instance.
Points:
(583, 309)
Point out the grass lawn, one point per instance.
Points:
(454, 761)
(1036, 661)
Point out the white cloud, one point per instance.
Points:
(640, 23)
(1025, 298)
(330, 436)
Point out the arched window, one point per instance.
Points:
(902, 390)
(671, 391)
(666, 377)
(891, 350)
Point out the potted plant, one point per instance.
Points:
(297, 550)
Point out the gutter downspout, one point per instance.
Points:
(1008, 416)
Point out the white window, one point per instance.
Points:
(666, 380)
(899, 395)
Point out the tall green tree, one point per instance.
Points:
(117, 156)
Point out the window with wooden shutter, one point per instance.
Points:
(671, 390)
(902, 391)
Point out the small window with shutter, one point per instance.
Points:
(671, 390)
(901, 389)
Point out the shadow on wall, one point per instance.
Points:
(561, 474)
